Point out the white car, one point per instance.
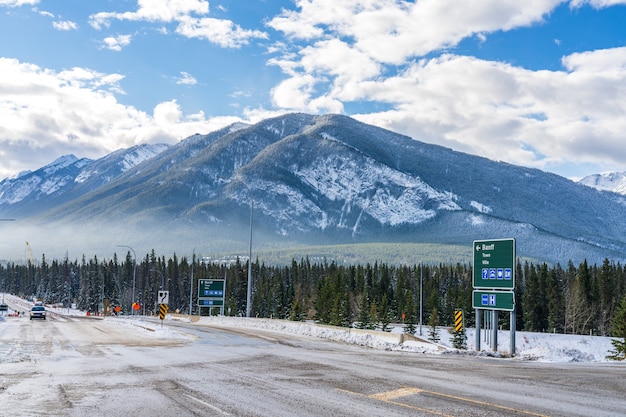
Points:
(38, 312)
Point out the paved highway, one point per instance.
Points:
(69, 366)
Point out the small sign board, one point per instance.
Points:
(493, 300)
(494, 264)
(211, 303)
(163, 297)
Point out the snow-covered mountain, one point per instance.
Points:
(328, 179)
(612, 181)
(66, 178)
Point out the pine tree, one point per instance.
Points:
(619, 330)
(297, 309)
(409, 315)
(373, 325)
(383, 315)
(433, 322)
(459, 339)
(363, 318)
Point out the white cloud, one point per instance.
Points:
(46, 114)
(532, 118)
(221, 32)
(294, 93)
(17, 3)
(186, 79)
(391, 31)
(598, 4)
(153, 11)
(190, 15)
(116, 43)
(65, 25)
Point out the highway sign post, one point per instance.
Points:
(211, 293)
(494, 284)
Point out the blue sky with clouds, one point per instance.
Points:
(539, 83)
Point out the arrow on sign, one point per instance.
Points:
(163, 297)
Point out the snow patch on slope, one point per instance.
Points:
(12, 195)
(140, 154)
(389, 196)
(481, 207)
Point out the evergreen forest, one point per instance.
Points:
(576, 299)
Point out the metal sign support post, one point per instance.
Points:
(513, 319)
(477, 335)
(494, 330)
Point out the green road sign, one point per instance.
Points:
(494, 300)
(211, 292)
(494, 264)
(213, 288)
(211, 303)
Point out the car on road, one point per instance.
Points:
(38, 312)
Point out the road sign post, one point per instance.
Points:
(494, 283)
(211, 293)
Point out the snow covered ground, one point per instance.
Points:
(542, 347)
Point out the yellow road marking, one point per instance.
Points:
(397, 394)
(390, 396)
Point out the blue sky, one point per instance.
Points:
(538, 83)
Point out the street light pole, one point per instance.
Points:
(193, 262)
(421, 292)
(249, 294)
(132, 303)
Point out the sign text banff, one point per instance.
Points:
(494, 264)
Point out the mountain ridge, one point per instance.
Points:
(333, 180)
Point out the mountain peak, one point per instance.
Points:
(609, 181)
(60, 163)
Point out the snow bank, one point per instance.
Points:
(544, 347)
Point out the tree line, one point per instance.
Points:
(582, 299)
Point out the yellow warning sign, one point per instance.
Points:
(162, 311)
(458, 320)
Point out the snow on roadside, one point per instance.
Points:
(542, 347)
(367, 338)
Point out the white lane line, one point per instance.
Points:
(212, 407)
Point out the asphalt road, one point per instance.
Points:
(69, 366)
